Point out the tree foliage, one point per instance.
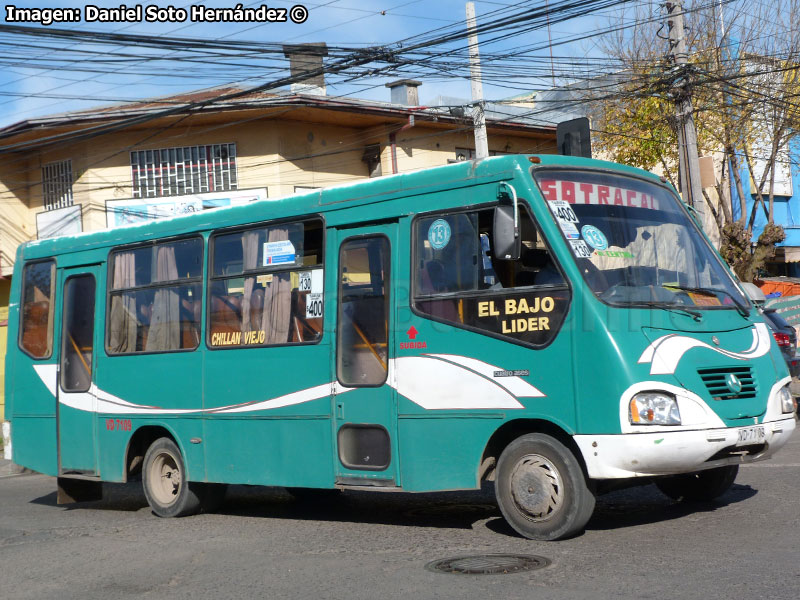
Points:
(636, 133)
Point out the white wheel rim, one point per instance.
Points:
(536, 487)
(165, 478)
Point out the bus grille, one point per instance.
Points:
(715, 380)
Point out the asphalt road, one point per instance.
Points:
(265, 544)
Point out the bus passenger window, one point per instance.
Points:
(362, 356)
(458, 279)
(266, 286)
(77, 340)
(38, 294)
(155, 297)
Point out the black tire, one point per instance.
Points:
(211, 495)
(541, 489)
(701, 486)
(164, 481)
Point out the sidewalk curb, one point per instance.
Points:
(10, 469)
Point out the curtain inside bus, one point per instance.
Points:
(123, 330)
(165, 327)
(266, 308)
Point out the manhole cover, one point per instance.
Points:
(488, 564)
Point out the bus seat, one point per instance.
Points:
(532, 260)
(425, 283)
(525, 278)
(226, 314)
(549, 276)
(145, 313)
(436, 275)
(256, 309)
(34, 337)
(434, 279)
(539, 268)
(303, 328)
(446, 308)
(190, 323)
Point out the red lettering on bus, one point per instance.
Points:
(587, 189)
(119, 425)
(618, 197)
(631, 197)
(602, 194)
(549, 190)
(413, 345)
(568, 191)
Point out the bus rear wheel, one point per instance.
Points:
(164, 480)
(701, 486)
(541, 489)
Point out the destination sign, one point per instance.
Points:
(575, 192)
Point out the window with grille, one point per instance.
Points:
(186, 170)
(57, 184)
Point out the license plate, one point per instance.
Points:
(751, 435)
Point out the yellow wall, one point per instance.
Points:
(17, 221)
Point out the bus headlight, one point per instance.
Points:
(787, 400)
(654, 408)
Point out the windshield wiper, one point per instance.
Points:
(741, 309)
(696, 315)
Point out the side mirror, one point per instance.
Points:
(505, 234)
(753, 292)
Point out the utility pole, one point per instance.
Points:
(550, 43)
(478, 110)
(689, 166)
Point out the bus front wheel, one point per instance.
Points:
(541, 489)
(702, 486)
(164, 480)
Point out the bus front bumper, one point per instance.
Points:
(671, 452)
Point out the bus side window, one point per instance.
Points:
(459, 280)
(155, 297)
(536, 265)
(266, 286)
(362, 355)
(38, 303)
(77, 338)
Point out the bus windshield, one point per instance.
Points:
(634, 243)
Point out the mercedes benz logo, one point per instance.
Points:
(734, 383)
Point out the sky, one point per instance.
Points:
(41, 76)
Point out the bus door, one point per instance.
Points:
(76, 400)
(365, 407)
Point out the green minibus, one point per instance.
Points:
(556, 325)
